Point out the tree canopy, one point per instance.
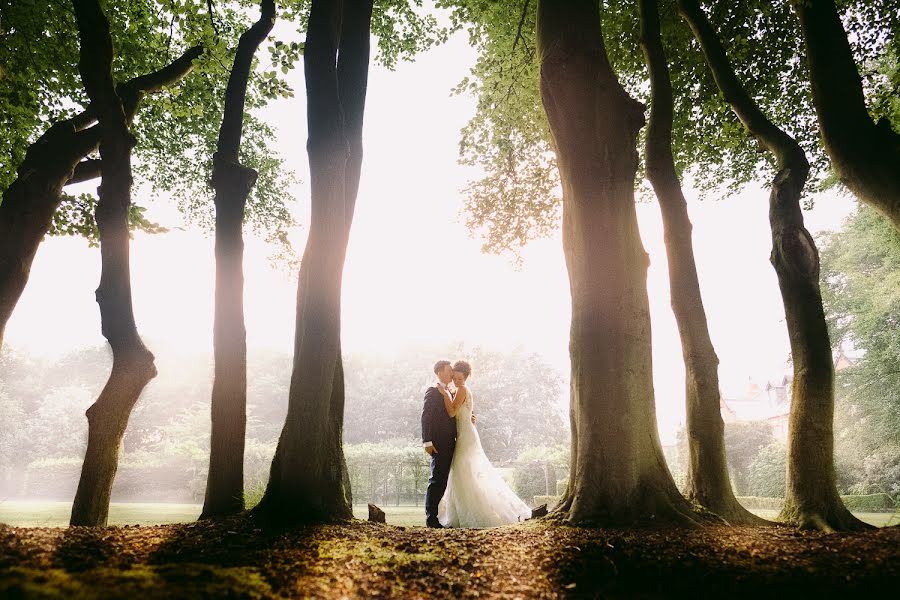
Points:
(508, 138)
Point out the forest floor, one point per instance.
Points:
(238, 559)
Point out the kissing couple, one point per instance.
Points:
(464, 490)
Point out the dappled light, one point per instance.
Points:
(364, 298)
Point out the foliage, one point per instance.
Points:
(765, 475)
(870, 502)
(393, 471)
(75, 216)
(861, 273)
(515, 398)
(166, 446)
(176, 129)
(518, 198)
(743, 442)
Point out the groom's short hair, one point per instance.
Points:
(440, 366)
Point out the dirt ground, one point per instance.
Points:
(238, 559)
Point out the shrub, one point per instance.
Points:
(52, 478)
(529, 480)
(550, 501)
(870, 503)
(765, 475)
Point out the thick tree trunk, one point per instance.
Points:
(51, 163)
(232, 182)
(708, 483)
(132, 363)
(309, 478)
(619, 474)
(811, 498)
(865, 154)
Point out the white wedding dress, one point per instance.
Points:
(476, 496)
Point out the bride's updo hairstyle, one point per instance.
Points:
(463, 367)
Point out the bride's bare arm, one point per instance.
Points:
(451, 405)
(448, 402)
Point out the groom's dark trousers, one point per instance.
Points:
(439, 429)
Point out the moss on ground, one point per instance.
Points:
(138, 582)
(238, 558)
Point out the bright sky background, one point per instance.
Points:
(414, 275)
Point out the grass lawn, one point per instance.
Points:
(878, 519)
(56, 514)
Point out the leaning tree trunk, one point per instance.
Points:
(865, 155)
(309, 478)
(619, 474)
(232, 182)
(811, 499)
(132, 363)
(50, 164)
(708, 483)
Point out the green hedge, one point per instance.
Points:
(550, 501)
(866, 503)
(870, 503)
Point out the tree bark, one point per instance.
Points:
(309, 478)
(51, 163)
(133, 364)
(232, 183)
(811, 498)
(708, 483)
(865, 154)
(619, 474)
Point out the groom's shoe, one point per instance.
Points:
(434, 524)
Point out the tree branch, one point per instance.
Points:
(521, 22)
(785, 148)
(212, 18)
(236, 93)
(131, 92)
(85, 171)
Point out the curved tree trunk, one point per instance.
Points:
(865, 154)
(232, 182)
(708, 483)
(132, 363)
(51, 163)
(309, 478)
(812, 500)
(619, 474)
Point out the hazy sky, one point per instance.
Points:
(413, 272)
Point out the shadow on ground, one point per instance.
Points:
(238, 558)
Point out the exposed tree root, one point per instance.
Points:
(819, 519)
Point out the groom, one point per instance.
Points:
(438, 439)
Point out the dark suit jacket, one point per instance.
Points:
(437, 427)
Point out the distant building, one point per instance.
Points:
(770, 403)
(842, 361)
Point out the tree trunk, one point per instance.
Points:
(132, 363)
(811, 498)
(51, 163)
(232, 182)
(865, 154)
(708, 483)
(619, 474)
(309, 478)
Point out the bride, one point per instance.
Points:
(477, 496)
